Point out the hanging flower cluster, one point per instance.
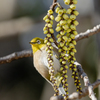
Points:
(62, 27)
(66, 28)
(71, 40)
(48, 30)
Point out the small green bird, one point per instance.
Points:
(41, 62)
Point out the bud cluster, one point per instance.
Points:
(66, 28)
(62, 28)
(48, 30)
(71, 41)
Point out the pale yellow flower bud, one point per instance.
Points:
(65, 27)
(74, 42)
(58, 28)
(74, 1)
(45, 28)
(59, 39)
(66, 66)
(76, 13)
(66, 75)
(45, 40)
(72, 53)
(48, 35)
(57, 9)
(45, 32)
(63, 62)
(69, 21)
(60, 60)
(68, 30)
(65, 16)
(61, 44)
(45, 17)
(59, 50)
(72, 6)
(58, 24)
(49, 51)
(73, 27)
(47, 20)
(51, 22)
(74, 58)
(64, 10)
(51, 47)
(48, 43)
(62, 54)
(52, 17)
(72, 17)
(61, 68)
(58, 35)
(50, 25)
(75, 23)
(68, 34)
(63, 22)
(58, 18)
(51, 30)
(69, 11)
(69, 39)
(75, 32)
(72, 61)
(72, 36)
(67, 2)
(50, 11)
(64, 71)
(46, 48)
(65, 38)
(74, 50)
(65, 48)
(51, 40)
(46, 25)
(60, 12)
(62, 32)
(71, 45)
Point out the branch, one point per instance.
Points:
(88, 33)
(26, 53)
(53, 5)
(85, 78)
(16, 55)
(76, 95)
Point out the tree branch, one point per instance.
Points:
(76, 95)
(16, 55)
(53, 5)
(28, 53)
(85, 78)
(88, 33)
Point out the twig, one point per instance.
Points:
(53, 5)
(88, 33)
(76, 95)
(16, 55)
(82, 74)
(86, 81)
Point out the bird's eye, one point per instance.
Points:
(38, 41)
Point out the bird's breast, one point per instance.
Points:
(41, 63)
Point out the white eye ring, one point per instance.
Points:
(38, 41)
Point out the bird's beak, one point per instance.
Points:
(32, 42)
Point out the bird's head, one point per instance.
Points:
(37, 43)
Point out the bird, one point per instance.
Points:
(41, 63)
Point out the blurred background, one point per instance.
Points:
(20, 21)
